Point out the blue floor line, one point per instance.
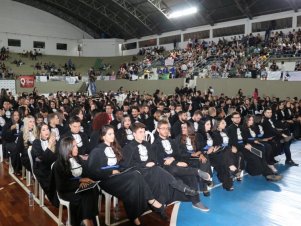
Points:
(254, 202)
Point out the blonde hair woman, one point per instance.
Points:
(25, 139)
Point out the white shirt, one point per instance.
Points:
(112, 160)
(167, 147)
(143, 153)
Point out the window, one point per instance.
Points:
(61, 46)
(39, 45)
(14, 42)
(170, 39)
(273, 24)
(298, 21)
(147, 43)
(198, 35)
(127, 46)
(228, 31)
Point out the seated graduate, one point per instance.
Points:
(54, 125)
(25, 140)
(79, 112)
(228, 162)
(116, 123)
(10, 134)
(169, 158)
(164, 186)
(277, 136)
(69, 172)
(254, 164)
(190, 145)
(81, 138)
(195, 120)
(251, 132)
(129, 186)
(125, 135)
(44, 154)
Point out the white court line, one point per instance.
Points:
(11, 183)
(174, 214)
(26, 189)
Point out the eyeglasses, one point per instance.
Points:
(164, 128)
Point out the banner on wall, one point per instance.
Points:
(294, 76)
(27, 81)
(286, 75)
(274, 75)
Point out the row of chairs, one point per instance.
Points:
(40, 195)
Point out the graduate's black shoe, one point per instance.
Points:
(200, 206)
(161, 212)
(230, 188)
(206, 193)
(210, 184)
(291, 163)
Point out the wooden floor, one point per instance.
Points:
(15, 211)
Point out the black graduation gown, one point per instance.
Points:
(185, 154)
(83, 205)
(160, 181)
(176, 129)
(122, 137)
(128, 186)
(188, 174)
(84, 149)
(42, 161)
(22, 151)
(8, 139)
(94, 140)
(227, 157)
(270, 131)
(255, 165)
(265, 147)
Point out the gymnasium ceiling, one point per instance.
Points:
(127, 19)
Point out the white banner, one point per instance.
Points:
(42, 78)
(274, 75)
(287, 75)
(293, 75)
(71, 80)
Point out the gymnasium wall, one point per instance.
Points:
(227, 86)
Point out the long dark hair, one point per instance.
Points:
(191, 134)
(39, 128)
(65, 150)
(115, 146)
(246, 120)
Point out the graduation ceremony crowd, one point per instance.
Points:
(76, 140)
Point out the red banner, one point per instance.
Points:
(27, 81)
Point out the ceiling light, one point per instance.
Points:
(184, 12)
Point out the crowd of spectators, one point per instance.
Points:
(5, 71)
(4, 54)
(32, 54)
(240, 56)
